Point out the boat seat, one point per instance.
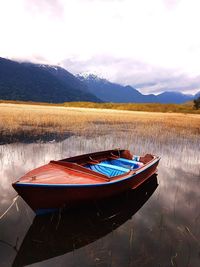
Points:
(107, 169)
(114, 167)
(119, 168)
(126, 163)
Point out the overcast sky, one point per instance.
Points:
(152, 45)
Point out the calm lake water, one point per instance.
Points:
(156, 225)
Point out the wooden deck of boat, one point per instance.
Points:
(53, 173)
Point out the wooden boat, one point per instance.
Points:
(89, 177)
(52, 236)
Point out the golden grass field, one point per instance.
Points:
(21, 122)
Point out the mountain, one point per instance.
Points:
(46, 83)
(173, 97)
(40, 83)
(109, 92)
(112, 92)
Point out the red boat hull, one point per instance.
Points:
(56, 196)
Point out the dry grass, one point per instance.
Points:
(187, 107)
(33, 122)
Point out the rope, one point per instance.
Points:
(13, 202)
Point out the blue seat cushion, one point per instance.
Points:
(126, 163)
(108, 169)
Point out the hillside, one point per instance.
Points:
(110, 92)
(40, 83)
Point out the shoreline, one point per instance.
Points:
(185, 108)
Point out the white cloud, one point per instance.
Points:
(160, 35)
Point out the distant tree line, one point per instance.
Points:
(197, 103)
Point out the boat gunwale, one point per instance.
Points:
(106, 183)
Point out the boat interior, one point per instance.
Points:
(113, 167)
(109, 164)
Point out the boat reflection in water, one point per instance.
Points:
(56, 234)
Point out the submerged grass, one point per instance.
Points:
(19, 122)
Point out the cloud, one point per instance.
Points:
(171, 4)
(151, 44)
(52, 8)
